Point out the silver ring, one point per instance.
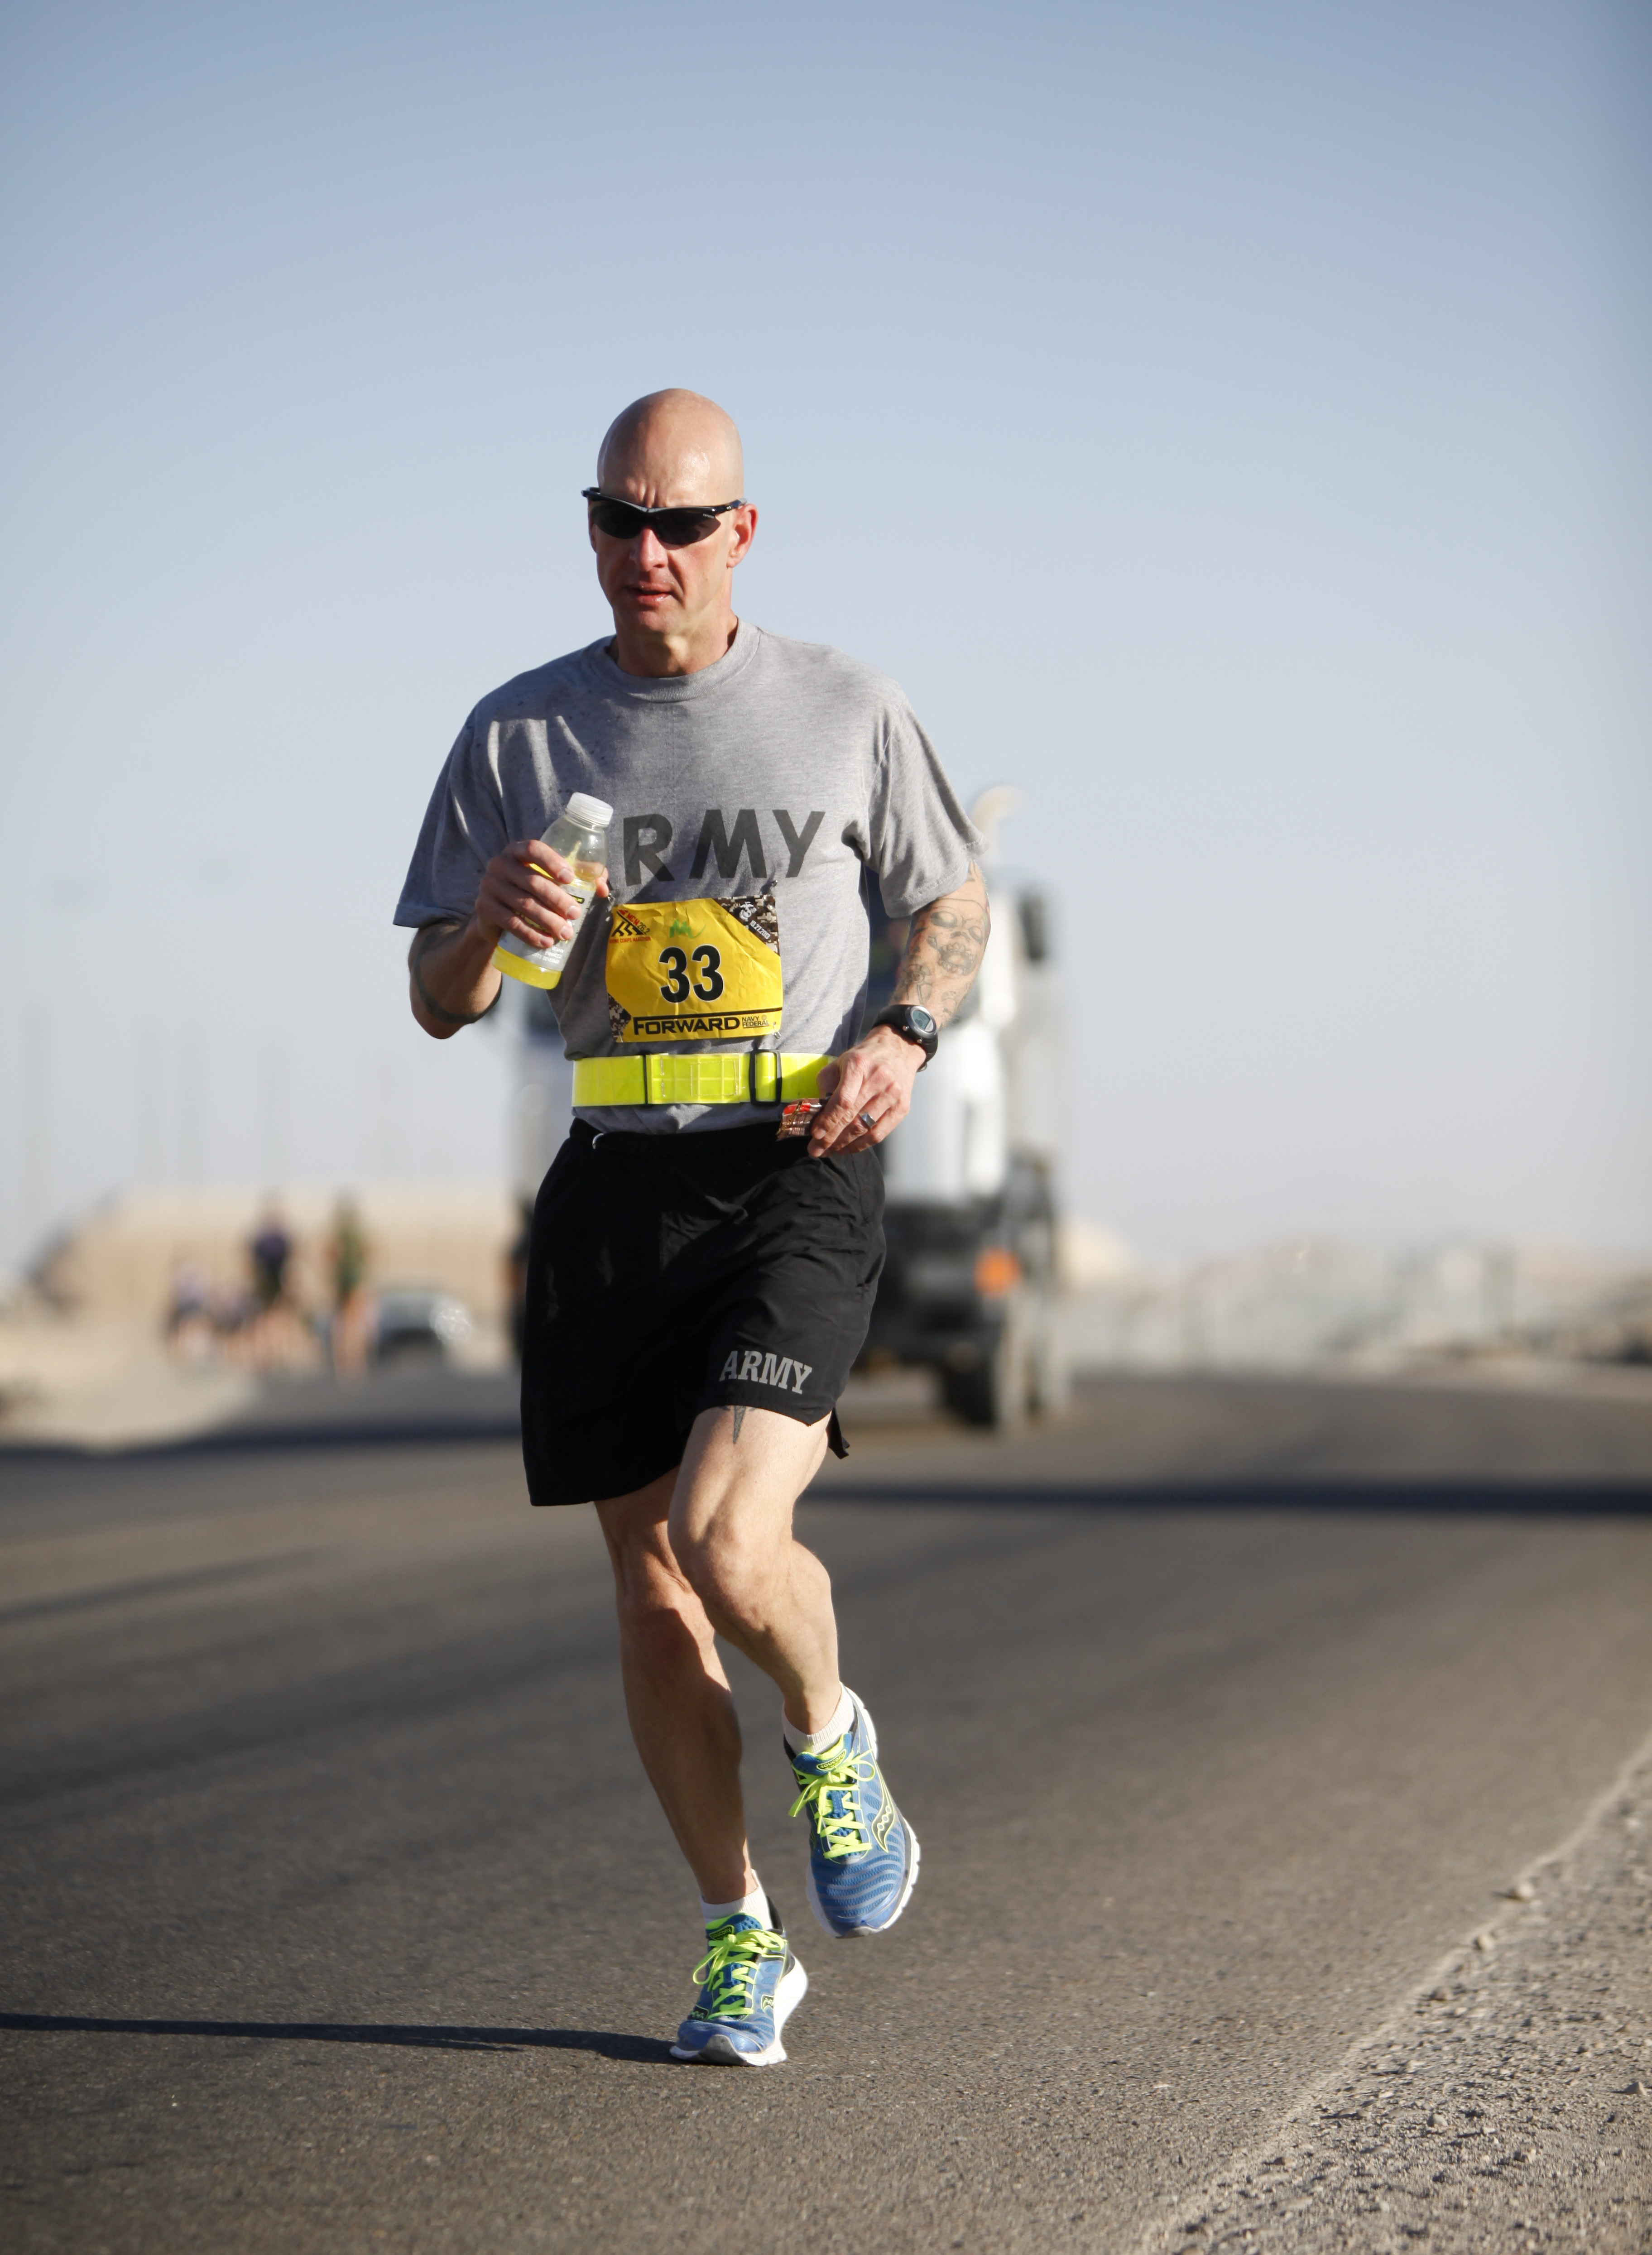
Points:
(867, 1121)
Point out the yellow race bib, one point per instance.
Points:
(695, 970)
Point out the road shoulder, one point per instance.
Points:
(1508, 2106)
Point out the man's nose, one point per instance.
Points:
(649, 548)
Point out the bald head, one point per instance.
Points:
(673, 446)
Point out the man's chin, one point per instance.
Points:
(648, 610)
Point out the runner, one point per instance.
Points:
(699, 1284)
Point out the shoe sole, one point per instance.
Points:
(856, 1933)
(721, 2052)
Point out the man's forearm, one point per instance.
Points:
(869, 1089)
(944, 949)
(451, 976)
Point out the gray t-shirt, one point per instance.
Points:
(786, 764)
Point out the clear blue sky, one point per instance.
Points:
(1230, 423)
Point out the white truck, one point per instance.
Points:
(970, 1285)
(970, 1288)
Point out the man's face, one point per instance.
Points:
(653, 589)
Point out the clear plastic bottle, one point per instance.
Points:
(580, 834)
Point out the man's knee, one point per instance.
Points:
(732, 1570)
(657, 1609)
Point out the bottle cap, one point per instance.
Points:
(584, 808)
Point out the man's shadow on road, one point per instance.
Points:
(645, 2051)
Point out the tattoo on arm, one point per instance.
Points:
(740, 1419)
(943, 949)
(429, 935)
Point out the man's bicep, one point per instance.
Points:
(961, 904)
(919, 836)
(464, 827)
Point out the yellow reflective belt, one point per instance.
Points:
(659, 1078)
(609, 1080)
(800, 1077)
(696, 1079)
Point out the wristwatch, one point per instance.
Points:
(913, 1023)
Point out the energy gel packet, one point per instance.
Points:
(797, 1120)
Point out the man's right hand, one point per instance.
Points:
(516, 897)
(450, 965)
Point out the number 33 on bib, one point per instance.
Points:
(695, 970)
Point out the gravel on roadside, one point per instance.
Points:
(1508, 2106)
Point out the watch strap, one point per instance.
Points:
(899, 1016)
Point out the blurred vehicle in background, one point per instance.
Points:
(412, 1323)
(970, 1284)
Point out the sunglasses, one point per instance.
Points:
(672, 528)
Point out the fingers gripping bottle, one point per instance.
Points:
(580, 834)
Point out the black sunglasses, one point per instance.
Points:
(672, 528)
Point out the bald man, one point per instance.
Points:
(700, 1274)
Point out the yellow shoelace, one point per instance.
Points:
(729, 1971)
(832, 1796)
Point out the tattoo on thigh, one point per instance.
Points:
(739, 1418)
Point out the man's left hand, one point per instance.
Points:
(867, 1092)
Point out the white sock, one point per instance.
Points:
(816, 1742)
(756, 1905)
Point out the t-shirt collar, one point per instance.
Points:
(676, 688)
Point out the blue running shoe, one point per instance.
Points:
(864, 1855)
(752, 1984)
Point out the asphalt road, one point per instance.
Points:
(338, 1914)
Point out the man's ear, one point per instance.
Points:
(738, 549)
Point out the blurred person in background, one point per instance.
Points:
(277, 1335)
(192, 1317)
(351, 1326)
(270, 1252)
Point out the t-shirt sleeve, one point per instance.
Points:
(464, 827)
(921, 840)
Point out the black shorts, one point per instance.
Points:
(672, 1274)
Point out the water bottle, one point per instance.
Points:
(580, 834)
